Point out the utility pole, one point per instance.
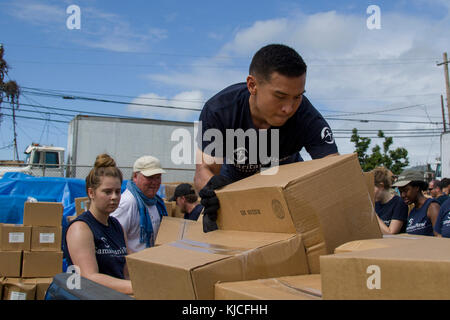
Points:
(447, 85)
(443, 112)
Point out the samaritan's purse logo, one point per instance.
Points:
(277, 209)
(327, 135)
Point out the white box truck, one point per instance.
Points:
(125, 140)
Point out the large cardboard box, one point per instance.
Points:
(44, 214)
(304, 287)
(42, 285)
(173, 229)
(81, 205)
(46, 238)
(10, 263)
(16, 289)
(385, 242)
(41, 264)
(325, 200)
(14, 237)
(417, 270)
(188, 269)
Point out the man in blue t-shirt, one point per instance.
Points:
(262, 123)
(442, 226)
(186, 199)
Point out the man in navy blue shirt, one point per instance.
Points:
(186, 199)
(264, 122)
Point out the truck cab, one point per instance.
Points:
(41, 161)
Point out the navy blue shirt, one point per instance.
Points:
(442, 225)
(393, 209)
(230, 109)
(442, 199)
(418, 221)
(109, 241)
(195, 213)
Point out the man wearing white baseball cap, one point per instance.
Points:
(140, 210)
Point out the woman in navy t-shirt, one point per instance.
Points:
(95, 242)
(391, 211)
(442, 226)
(422, 218)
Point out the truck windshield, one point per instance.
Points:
(51, 158)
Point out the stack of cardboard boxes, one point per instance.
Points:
(274, 227)
(31, 253)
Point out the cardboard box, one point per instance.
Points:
(44, 214)
(71, 218)
(1, 287)
(370, 182)
(46, 238)
(41, 264)
(385, 242)
(15, 289)
(418, 270)
(42, 285)
(81, 205)
(14, 237)
(304, 287)
(324, 200)
(10, 263)
(173, 210)
(173, 229)
(188, 269)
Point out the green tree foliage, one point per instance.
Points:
(394, 160)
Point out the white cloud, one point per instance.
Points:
(188, 100)
(350, 68)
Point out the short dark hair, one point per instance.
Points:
(191, 198)
(277, 58)
(445, 182)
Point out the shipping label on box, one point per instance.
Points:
(419, 270)
(41, 263)
(81, 205)
(15, 289)
(303, 287)
(188, 269)
(10, 263)
(14, 237)
(46, 238)
(44, 214)
(326, 200)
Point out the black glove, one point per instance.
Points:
(211, 202)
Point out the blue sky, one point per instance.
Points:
(179, 53)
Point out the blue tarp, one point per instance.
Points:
(15, 188)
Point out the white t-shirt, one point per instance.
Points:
(128, 215)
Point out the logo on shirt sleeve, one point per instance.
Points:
(327, 135)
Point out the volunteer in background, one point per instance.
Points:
(187, 200)
(272, 98)
(140, 210)
(95, 241)
(422, 218)
(435, 188)
(442, 227)
(392, 212)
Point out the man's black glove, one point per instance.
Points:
(210, 201)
